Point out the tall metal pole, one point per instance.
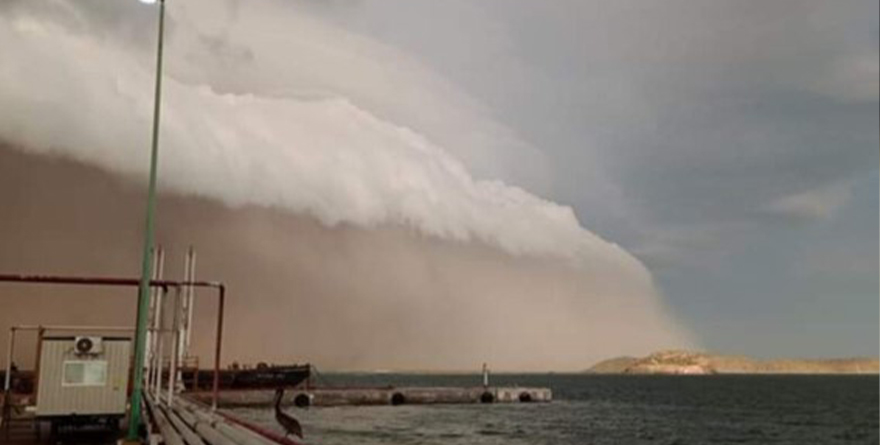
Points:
(191, 301)
(175, 344)
(160, 345)
(134, 420)
(9, 355)
(150, 354)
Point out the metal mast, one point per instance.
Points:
(146, 270)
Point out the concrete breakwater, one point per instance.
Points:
(329, 396)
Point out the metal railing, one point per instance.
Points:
(163, 286)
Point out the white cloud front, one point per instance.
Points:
(299, 116)
(324, 156)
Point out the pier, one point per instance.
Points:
(78, 388)
(185, 422)
(369, 396)
(181, 422)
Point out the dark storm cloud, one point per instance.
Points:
(713, 139)
(342, 297)
(107, 19)
(280, 118)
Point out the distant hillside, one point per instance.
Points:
(613, 366)
(687, 362)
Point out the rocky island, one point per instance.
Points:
(697, 363)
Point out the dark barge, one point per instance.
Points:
(262, 376)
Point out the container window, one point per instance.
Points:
(85, 373)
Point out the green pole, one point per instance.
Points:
(147, 265)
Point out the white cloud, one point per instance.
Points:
(850, 78)
(325, 156)
(819, 203)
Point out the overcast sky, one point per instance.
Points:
(730, 145)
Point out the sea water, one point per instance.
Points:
(592, 409)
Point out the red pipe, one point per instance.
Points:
(283, 440)
(102, 281)
(260, 430)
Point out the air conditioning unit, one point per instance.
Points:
(88, 345)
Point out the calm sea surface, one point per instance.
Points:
(611, 410)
